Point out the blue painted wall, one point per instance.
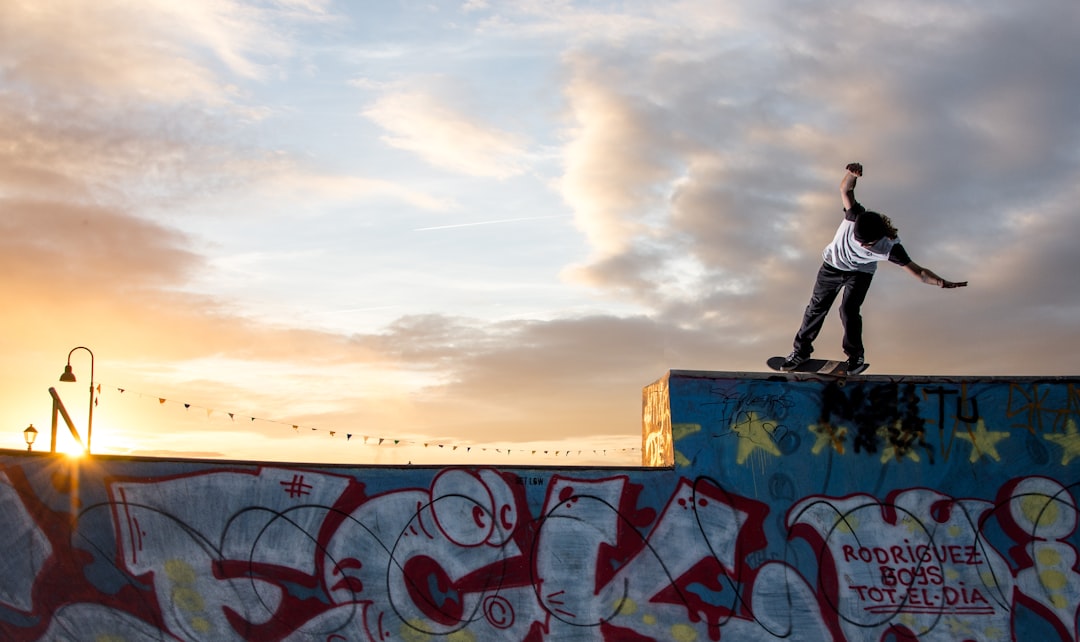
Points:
(789, 507)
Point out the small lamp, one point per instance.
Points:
(30, 434)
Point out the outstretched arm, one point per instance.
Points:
(847, 184)
(927, 276)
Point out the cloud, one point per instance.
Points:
(149, 51)
(680, 201)
(418, 122)
(616, 158)
(583, 23)
(125, 156)
(474, 5)
(60, 243)
(118, 281)
(544, 378)
(115, 100)
(294, 183)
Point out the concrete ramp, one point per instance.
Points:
(769, 507)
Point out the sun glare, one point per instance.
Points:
(73, 451)
(66, 445)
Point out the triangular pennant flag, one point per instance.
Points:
(332, 432)
(161, 400)
(187, 406)
(380, 440)
(397, 441)
(295, 427)
(232, 417)
(348, 436)
(121, 390)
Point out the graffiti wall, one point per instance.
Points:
(795, 508)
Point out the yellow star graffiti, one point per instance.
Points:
(983, 441)
(678, 431)
(1069, 442)
(828, 435)
(912, 525)
(893, 451)
(754, 434)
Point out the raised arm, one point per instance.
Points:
(927, 276)
(847, 184)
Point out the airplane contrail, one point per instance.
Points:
(504, 220)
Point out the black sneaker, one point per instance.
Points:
(855, 365)
(793, 361)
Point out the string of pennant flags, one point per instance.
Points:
(367, 439)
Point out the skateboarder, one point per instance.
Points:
(863, 239)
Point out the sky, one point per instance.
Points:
(470, 232)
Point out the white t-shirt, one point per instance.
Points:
(845, 253)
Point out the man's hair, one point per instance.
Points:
(871, 227)
(890, 229)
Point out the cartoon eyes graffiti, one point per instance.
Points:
(473, 507)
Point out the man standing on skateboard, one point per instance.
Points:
(863, 239)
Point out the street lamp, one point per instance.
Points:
(30, 434)
(69, 376)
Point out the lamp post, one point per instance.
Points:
(69, 376)
(30, 434)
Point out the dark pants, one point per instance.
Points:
(828, 284)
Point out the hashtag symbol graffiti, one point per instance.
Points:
(296, 487)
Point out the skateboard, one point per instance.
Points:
(816, 366)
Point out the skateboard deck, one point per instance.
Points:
(816, 366)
